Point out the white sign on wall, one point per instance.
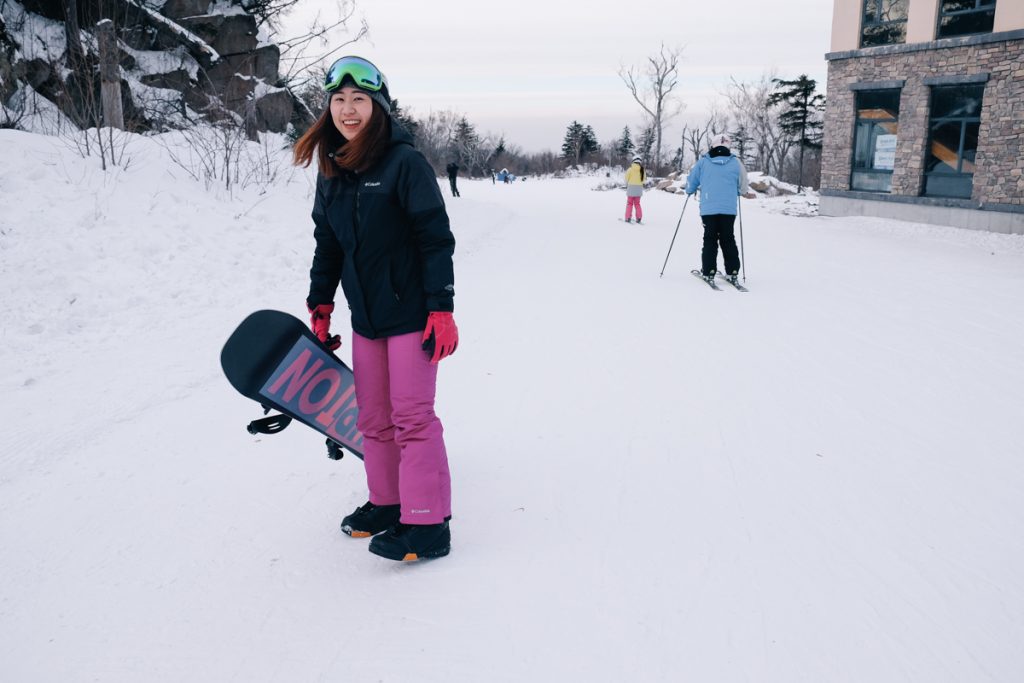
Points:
(885, 152)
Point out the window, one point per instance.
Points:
(952, 140)
(964, 17)
(885, 22)
(874, 140)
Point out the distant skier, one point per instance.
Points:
(721, 178)
(635, 177)
(453, 174)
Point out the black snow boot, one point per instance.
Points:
(370, 520)
(410, 542)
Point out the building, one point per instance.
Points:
(925, 112)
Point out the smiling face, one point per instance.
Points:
(351, 110)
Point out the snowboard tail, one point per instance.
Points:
(274, 359)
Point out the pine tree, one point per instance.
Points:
(579, 141)
(407, 122)
(801, 115)
(464, 142)
(593, 146)
(678, 156)
(646, 143)
(742, 143)
(624, 147)
(499, 150)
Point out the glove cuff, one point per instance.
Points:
(320, 309)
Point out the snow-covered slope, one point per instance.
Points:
(816, 481)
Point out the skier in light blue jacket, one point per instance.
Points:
(721, 178)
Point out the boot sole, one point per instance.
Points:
(413, 557)
(356, 534)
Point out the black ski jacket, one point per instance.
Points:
(384, 234)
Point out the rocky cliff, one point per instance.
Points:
(179, 60)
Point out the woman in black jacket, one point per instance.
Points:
(382, 231)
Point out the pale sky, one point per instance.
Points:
(528, 68)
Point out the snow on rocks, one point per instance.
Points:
(803, 204)
(769, 185)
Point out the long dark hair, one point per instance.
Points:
(333, 153)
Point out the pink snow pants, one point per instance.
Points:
(634, 202)
(403, 440)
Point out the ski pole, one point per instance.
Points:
(674, 235)
(743, 256)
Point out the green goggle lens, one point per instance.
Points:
(363, 74)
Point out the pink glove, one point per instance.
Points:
(320, 323)
(441, 337)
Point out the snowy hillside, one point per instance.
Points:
(816, 481)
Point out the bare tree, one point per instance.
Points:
(72, 33)
(698, 137)
(10, 116)
(308, 52)
(652, 88)
(753, 112)
(434, 136)
(210, 154)
(268, 11)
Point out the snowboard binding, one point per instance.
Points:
(276, 423)
(268, 425)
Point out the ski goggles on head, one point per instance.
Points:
(363, 74)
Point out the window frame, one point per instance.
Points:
(864, 23)
(963, 121)
(856, 125)
(978, 9)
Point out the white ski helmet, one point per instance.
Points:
(637, 159)
(720, 140)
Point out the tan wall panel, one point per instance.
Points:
(922, 18)
(846, 25)
(1009, 15)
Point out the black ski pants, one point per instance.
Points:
(718, 228)
(455, 190)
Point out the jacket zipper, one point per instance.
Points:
(355, 229)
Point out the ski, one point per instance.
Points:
(710, 283)
(735, 284)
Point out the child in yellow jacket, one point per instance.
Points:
(635, 176)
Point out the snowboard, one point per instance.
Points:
(274, 359)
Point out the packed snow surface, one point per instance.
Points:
(819, 480)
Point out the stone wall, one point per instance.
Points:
(999, 164)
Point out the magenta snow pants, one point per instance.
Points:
(634, 202)
(403, 440)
